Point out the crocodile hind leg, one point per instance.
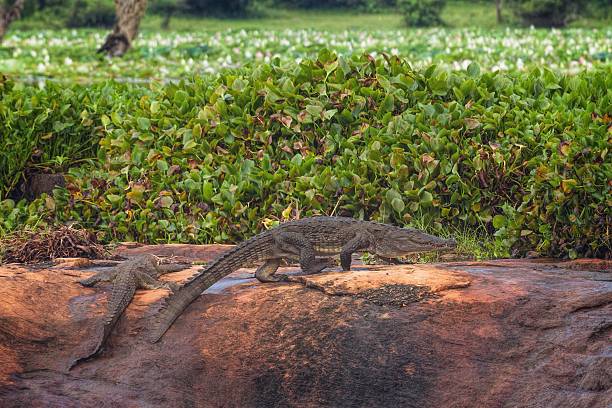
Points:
(266, 272)
(104, 276)
(148, 282)
(293, 242)
(169, 268)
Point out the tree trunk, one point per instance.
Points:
(498, 9)
(8, 14)
(129, 13)
(166, 21)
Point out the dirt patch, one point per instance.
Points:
(397, 295)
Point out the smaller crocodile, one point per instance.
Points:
(141, 271)
(309, 240)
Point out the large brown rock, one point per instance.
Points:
(494, 334)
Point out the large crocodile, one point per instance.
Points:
(305, 240)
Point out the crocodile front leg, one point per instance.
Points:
(359, 242)
(266, 272)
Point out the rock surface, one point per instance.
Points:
(509, 333)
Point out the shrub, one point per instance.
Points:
(333, 4)
(91, 13)
(523, 154)
(547, 13)
(224, 8)
(167, 8)
(49, 128)
(421, 13)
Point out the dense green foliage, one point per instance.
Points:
(523, 154)
(91, 13)
(348, 4)
(421, 13)
(220, 7)
(548, 13)
(47, 130)
(71, 13)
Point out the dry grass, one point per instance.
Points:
(46, 245)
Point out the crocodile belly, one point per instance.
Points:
(327, 250)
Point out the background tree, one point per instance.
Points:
(548, 13)
(9, 13)
(421, 13)
(498, 10)
(129, 13)
(167, 8)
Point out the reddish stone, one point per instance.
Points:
(511, 333)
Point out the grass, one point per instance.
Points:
(325, 20)
(456, 14)
(471, 14)
(472, 244)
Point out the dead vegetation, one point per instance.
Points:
(45, 245)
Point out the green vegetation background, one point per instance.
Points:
(519, 159)
(456, 13)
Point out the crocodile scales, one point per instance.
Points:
(308, 240)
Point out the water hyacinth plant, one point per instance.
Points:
(523, 154)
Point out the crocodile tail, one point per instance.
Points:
(172, 309)
(123, 291)
(243, 254)
(173, 306)
(177, 302)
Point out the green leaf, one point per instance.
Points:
(162, 165)
(189, 144)
(426, 197)
(154, 107)
(166, 201)
(116, 119)
(143, 123)
(113, 198)
(499, 221)
(388, 103)
(207, 190)
(398, 204)
(473, 69)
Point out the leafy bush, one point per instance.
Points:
(421, 13)
(69, 13)
(370, 5)
(523, 154)
(49, 129)
(92, 13)
(547, 13)
(599, 9)
(227, 8)
(167, 8)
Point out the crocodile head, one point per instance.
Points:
(394, 242)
